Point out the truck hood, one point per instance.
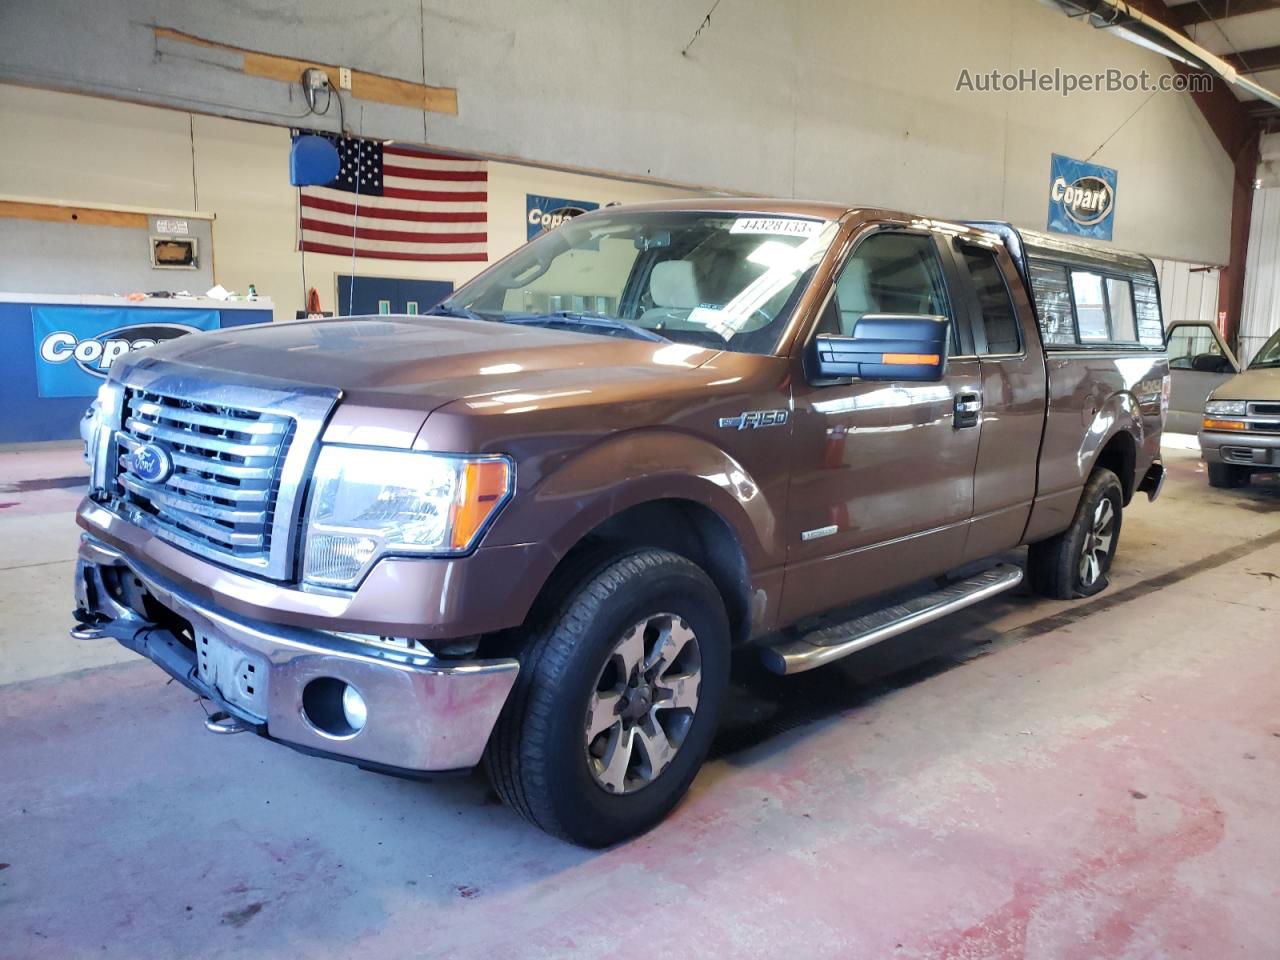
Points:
(420, 363)
(1260, 384)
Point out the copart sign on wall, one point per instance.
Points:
(75, 346)
(547, 213)
(1082, 198)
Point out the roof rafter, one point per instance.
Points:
(1202, 11)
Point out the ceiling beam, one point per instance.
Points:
(1256, 60)
(1201, 11)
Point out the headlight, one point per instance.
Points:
(1225, 408)
(102, 416)
(368, 503)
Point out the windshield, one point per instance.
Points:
(1269, 355)
(721, 280)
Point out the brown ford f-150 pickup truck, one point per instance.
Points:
(529, 528)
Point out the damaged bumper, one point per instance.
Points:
(394, 709)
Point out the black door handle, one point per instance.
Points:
(968, 409)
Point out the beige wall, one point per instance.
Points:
(67, 147)
(849, 100)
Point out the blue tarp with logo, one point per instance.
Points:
(1082, 198)
(546, 213)
(75, 345)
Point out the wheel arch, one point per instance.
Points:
(1120, 455)
(688, 528)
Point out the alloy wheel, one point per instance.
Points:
(1096, 555)
(643, 703)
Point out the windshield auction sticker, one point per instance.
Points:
(776, 226)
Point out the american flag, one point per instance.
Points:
(393, 202)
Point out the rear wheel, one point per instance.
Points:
(1077, 562)
(616, 703)
(1228, 476)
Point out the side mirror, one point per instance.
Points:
(1212, 363)
(887, 346)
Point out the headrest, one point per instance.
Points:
(672, 284)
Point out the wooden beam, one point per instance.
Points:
(1202, 11)
(1256, 60)
(62, 213)
(364, 86)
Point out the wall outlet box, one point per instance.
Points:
(344, 78)
(315, 78)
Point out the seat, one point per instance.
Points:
(853, 292)
(674, 291)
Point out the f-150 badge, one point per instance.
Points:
(754, 419)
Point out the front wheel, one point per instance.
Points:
(1228, 476)
(616, 703)
(1077, 562)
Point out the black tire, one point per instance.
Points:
(1054, 566)
(1228, 476)
(537, 758)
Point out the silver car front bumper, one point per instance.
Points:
(1242, 448)
(423, 714)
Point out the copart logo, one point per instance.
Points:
(1087, 200)
(94, 355)
(550, 219)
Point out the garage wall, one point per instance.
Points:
(67, 147)
(1188, 292)
(1261, 316)
(825, 98)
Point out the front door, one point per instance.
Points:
(1199, 361)
(882, 471)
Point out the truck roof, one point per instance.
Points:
(782, 207)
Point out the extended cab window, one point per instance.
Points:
(998, 317)
(888, 273)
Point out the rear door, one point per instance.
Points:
(882, 471)
(1014, 394)
(1199, 361)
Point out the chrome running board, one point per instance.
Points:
(839, 640)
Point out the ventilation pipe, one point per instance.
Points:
(1136, 27)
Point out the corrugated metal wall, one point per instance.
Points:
(1262, 274)
(1188, 291)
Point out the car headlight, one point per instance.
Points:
(368, 503)
(1225, 408)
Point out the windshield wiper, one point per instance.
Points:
(446, 309)
(569, 318)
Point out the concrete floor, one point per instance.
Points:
(1031, 779)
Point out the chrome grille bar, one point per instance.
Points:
(220, 495)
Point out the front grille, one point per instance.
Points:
(221, 495)
(1264, 409)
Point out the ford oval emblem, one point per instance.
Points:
(152, 463)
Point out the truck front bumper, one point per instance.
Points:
(1242, 448)
(421, 714)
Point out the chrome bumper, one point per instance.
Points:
(1243, 448)
(423, 714)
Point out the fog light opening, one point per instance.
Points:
(334, 708)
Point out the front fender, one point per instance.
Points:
(633, 467)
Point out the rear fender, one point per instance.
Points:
(1119, 414)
